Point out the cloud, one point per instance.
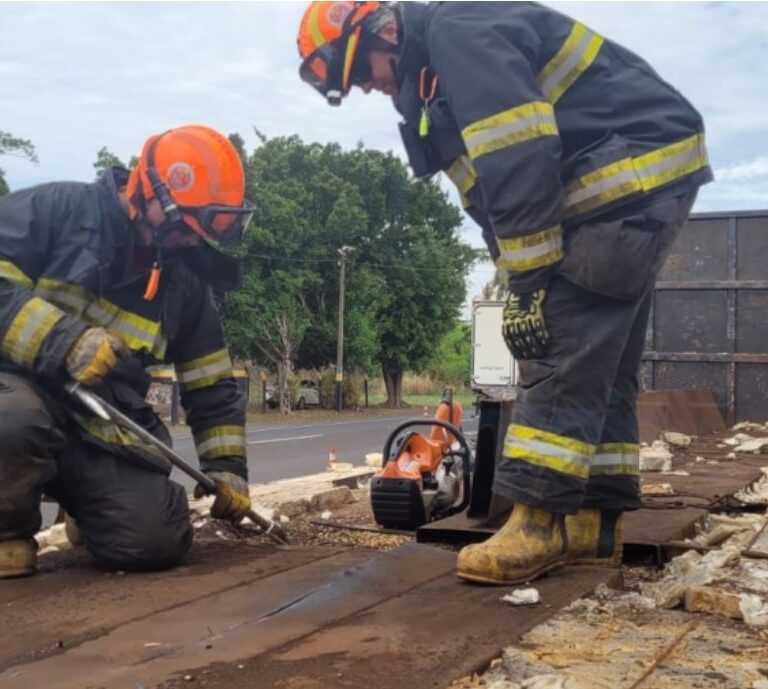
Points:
(78, 76)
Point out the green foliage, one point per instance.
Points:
(11, 145)
(405, 276)
(327, 384)
(105, 159)
(450, 362)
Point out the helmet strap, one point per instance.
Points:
(172, 216)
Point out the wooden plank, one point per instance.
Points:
(70, 601)
(235, 623)
(426, 637)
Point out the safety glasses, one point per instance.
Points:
(224, 225)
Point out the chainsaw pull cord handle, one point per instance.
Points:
(464, 452)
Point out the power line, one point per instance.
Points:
(367, 264)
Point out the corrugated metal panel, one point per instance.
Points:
(709, 323)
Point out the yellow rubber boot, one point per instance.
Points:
(531, 542)
(594, 537)
(17, 559)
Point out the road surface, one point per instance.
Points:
(276, 452)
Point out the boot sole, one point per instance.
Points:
(522, 579)
(595, 562)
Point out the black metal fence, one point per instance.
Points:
(709, 323)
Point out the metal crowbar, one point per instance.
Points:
(106, 411)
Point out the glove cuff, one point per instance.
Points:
(530, 281)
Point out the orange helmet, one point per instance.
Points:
(329, 38)
(197, 176)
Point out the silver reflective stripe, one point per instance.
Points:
(219, 441)
(571, 61)
(537, 446)
(462, 173)
(504, 129)
(616, 458)
(549, 450)
(528, 121)
(652, 174)
(623, 176)
(69, 297)
(223, 366)
(531, 251)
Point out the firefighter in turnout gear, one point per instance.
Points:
(98, 282)
(580, 165)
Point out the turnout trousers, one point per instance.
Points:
(573, 441)
(131, 516)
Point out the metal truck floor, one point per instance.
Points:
(252, 615)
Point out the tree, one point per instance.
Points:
(405, 277)
(11, 145)
(105, 159)
(451, 357)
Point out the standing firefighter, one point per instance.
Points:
(580, 164)
(99, 281)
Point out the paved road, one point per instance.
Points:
(276, 452)
(288, 451)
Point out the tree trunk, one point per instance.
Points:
(284, 371)
(393, 380)
(285, 364)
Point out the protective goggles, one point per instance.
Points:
(220, 224)
(334, 67)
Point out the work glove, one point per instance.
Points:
(93, 356)
(233, 501)
(524, 329)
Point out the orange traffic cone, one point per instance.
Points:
(331, 457)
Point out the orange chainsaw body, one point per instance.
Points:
(420, 454)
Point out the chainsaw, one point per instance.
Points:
(423, 478)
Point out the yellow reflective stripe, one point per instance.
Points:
(531, 251)
(462, 173)
(72, 298)
(28, 329)
(616, 459)
(220, 441)
(314, 25)
(509, 127)
(548, 450)
(9, 271)
(136, 331)
(633, 175)
(107, 432)
(671, 162)
(204, 371)
(575, 56)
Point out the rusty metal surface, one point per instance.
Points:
(709, 322)
(69, 602)
(693, 412)
(399, 618)
(427, 636)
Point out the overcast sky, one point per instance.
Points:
(78, 76)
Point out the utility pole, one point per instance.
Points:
(340, 337)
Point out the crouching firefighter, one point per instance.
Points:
(99, 281)
(580, 165)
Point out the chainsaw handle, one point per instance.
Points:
(464, 452)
